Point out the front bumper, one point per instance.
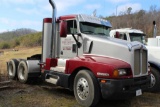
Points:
(123, 88)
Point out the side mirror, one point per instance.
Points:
(63, 29)
(117, 35)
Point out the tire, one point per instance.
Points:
(86, 88)
(155, 80)
(12, 68)
(23, 72)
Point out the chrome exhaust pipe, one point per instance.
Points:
(154, 29)
(53, 37)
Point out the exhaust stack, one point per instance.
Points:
(46, 43)
(53, 36)
(154, 29)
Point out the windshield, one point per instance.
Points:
(92, 28)
(137, 37)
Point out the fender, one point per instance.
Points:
(96, 64)
(154, 64)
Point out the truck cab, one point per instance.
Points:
(129, 34)
(78, 54)
(153, 46)
(86, 55)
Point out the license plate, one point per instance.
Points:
(138, 92)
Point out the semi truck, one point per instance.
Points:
(153, 46)
(78, 54)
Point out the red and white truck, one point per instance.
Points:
(79, 55)
(153, 46)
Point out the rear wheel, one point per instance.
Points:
(86, 88)
(12, 68)
(155, 80)
(22, 72)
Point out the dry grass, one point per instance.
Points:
(21, 53)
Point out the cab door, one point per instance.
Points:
(68, 44)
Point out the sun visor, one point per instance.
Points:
(92, 19)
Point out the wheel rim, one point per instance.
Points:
(22, 73)
(153, 80)
(10, 70)
(82, 88)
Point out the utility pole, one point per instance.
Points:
(94, 13)
(116, 16)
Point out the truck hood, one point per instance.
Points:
(110, 47)
(115, 41)
(106, 46)
(115, 63)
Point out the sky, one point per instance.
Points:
(15, 14)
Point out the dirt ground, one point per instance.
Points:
(39, 94)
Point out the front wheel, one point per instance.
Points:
(155, 80)
(86, 88)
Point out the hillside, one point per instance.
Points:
(29, 40)
(142, 20)
(15, 33)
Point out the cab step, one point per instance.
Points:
(51, 78)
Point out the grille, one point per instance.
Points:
(140, 62)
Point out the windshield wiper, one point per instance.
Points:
(101, 33)
(88, 32)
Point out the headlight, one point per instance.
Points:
(122, 72)
(119, 72)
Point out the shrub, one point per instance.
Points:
(5, 45)
(29, 40)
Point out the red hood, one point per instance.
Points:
(116, 63)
